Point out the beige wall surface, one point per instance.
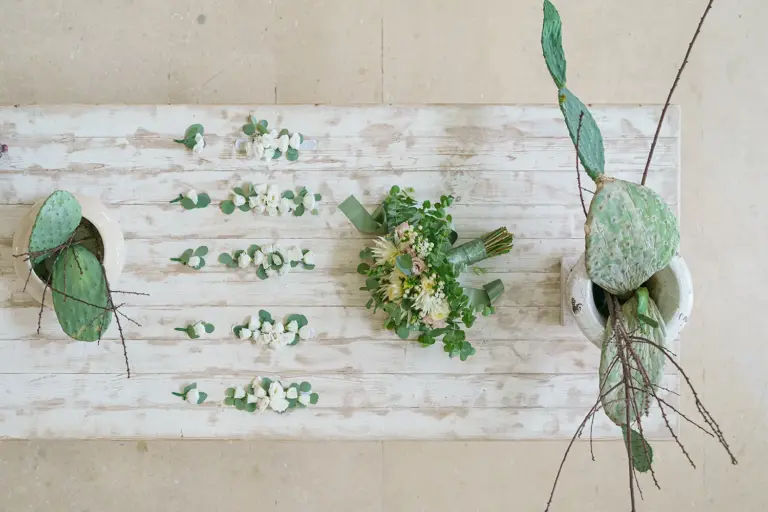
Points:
(432, 51)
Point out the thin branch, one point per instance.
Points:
(672, 91)
(29, 276)
(119, 326)
(130, 293)
(578, 172)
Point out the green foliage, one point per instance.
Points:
(292, 154)
(58, 218)
(227, 207)
(642, 453)
(631, 234)
(80, 294)
(229, 261)
(200, 252)
(190, 134)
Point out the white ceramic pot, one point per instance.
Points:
(671, 289)
(107, 227)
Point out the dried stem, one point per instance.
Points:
(672, 90)
(578, 172)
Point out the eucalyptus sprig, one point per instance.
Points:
(193, 138)
(268, 145)
(192, 200)
(268, 332)
(265, 393)
(304, 201)
(192, 395)
(196, 330)
(193, 259)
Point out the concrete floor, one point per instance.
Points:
(431, 51)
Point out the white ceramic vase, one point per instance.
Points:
(671, 289)
(107, 227)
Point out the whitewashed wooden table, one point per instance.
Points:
(508, 165)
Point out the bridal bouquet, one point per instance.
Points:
(412, 269)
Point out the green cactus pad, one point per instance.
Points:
(552, 44)
(57, 219)
(591, 149)
(652, 359)
(631, 234)
(78, 273)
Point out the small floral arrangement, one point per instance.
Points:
(266, 393)
(193, 258)
(267, 332)
(192, 395)
(413, 271)
(270, 260)
(268, 145)
(193, 138)
(268, 199)
(192, 200)
(196, 330)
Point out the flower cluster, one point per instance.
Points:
(196, 330)
(268, 145)
(267, 332)
(268, 199)
(266, 393)
(270, 260)
(193, 259)
(412, 272)
(192, 200)
(191, 394)
(193, 138)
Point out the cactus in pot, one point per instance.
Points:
(66, 252)
(630, 235)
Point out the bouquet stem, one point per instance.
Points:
(491, 244)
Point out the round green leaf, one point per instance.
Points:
(227, 206)
(191, 332)
(313, 398)
(250, 407)
(363, 268)
(277, 154)
(261, 273)
(249, 129)
(209, 328)
(194, 130)
(288, 194)
(240, 404)
(301, 320)
(403, 332)
(299, 211)
(203, 200)
(202, 397)
(261, 127)
(309, 267)
(305, 387)
(292, 154)
(229, 401)
(264, 316)
(252, 250)
(185, 256)
(225, 258)
(318, 197)
(187, 204)
(201, 251)
(230, 392)
(244, 207)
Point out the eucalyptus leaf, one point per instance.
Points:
(227, 206)
(191, 332)
(189, 388)
(299, 211)
(313, 398)
(186, 255)
(363, 268)
(188, 204)
(240, 404)
(264, 316)
(203, 200)
(202, 397)
(209, 328)
(301, 320)
(244, 207)
(292, 154)
(252, 250)
(305, 387)
(288, 194)
(309, 267)
(201, 251)
(225, 258)
(250, 407)
(284, 132)
(229, 401)
(249, 129)
(315, 212)
(403, 332)
(318, 197)
(230, 392)
(404, 264)
(261, 273)
(277, 154)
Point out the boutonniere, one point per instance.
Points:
(192, 395)
(196, 330)
(193, 138)
(265, 393)
(192, 200)
(193, 259)
(268, 145)
(270, 259)
(268, 332)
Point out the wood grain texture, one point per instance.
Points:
(512, 166)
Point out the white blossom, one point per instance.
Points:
(292, 253)
(309, 258)
(258, 258)
(271, 272)
(199, 144)
(282, 143)
(279, 328)
(243, 260)
(295, 141)
(285, 206)
(259, 148)
(293, 326)
(309, 201)
(269, 140)
(304, 399)
(266, 327)
(261, 189)
(266, 249)
(199, 329)
(269, 155)
(306, 332)
(258, 391)
(239, 392)
(279, 404)
(283, 270)
(193, 396)
(193, 261)
(292, 393)
(254, 323)
(277, 260)
(244, 333)
(273, 196)
(287, 338)
(238, 199)
(252, 399)
(276, 390)
(263, 403)
(272, 211)
(192, 195)
(253, 202)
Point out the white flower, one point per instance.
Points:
(258, 391)
(269, 140)
(271, 340)
(279, 328)
(192, 195)
(239, 392)
(243, 260)
(259, 147)
(193, 396)
(254, 323)
(285, 206)
(199, 329)
(287, 338)
(283, 270)
(266, 249)
(306, 332)
(304, 399)
(282, 143)
(279, 404)
(309, 258)
(269, 155)
(292, 393)
(266, 327)
(273, 196)
(244, 333)
(293, 326)
(295, 141)
(260, 189)
(271, 272)
(252, 399)
(258, 258)
(193, 261)
(292, 253)
(199, 144)
(238, 199)
(254, 202)
(263, 404)
(276, 390)
(309, 201)
(272, 211)
(277, 260)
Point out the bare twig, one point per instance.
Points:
(672, 91)
(578, 172)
